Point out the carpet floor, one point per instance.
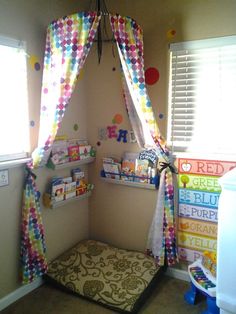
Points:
(166, 298)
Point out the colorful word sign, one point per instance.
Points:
(198, 227)
(199, 198)
(199, 243)
(205, 167)
(201, 183)
(198, 212)
(189, 255)
(199, 193)
(120, 135)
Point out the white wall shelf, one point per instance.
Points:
(80, 162)
(53, 205)
(130, 183)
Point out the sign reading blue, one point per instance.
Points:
(199, 198)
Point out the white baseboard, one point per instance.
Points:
(19, 293)
(178, 274)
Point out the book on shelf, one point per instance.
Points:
(73, 153)
(60, 152)
(111, 168)
(141, 171)
(127, 170)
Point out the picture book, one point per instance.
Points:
(112, 170)
(73, 153)
(84, 151)
(141, 171)
(150, 155)
(70, 190)
(59, 152)
(127, 170)
(58, 191)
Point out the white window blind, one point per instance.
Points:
(202, 100)
(14, 124)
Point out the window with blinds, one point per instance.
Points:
(202, 99)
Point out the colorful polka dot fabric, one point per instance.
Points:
(33, 249)
(68, 43)
(129, 37)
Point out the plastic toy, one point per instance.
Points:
(203, 282)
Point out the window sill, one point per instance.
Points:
(13, 163)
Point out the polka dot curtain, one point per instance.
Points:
(68, 43)
(33, 248)
(129, 37)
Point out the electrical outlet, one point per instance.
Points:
(4, 177)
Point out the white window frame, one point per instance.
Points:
(21, 155)
(183, 110)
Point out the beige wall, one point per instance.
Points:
(116, 214)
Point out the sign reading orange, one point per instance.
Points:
(198, 227)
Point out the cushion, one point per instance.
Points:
(113, 277)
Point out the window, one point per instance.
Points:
(202, 100)
(14, 121)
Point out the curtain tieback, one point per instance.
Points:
(165, 165)
(29, 173)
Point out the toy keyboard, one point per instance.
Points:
(202, 278)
